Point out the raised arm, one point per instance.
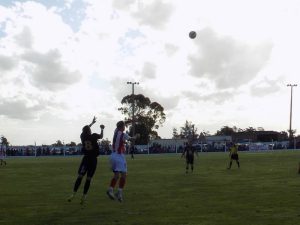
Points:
(102, 128)
(134, 137)
(94, 121)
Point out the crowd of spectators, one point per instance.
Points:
(154, 149)
(41, 151)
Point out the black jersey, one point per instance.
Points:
(90, 145)
(189, 151)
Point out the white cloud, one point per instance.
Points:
(171, 49)
(6, 63)
(54, 78)
(266, 87)
(155, 14)
(225, 61)
(25, 38)
(149, 70)
(48, 71)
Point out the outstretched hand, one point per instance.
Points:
(102, 126)
(94, 121)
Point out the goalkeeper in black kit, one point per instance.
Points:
(88, 165)
(189, 152)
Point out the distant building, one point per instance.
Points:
(258, 136)
(218, 139)
(168, 142)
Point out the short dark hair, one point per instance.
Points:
(120, 124)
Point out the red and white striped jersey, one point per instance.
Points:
(119, 141)
(2, 152)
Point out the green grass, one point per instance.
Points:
(266, 190)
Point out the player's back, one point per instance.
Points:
(90, 145)
(233, 150)
(119, 141)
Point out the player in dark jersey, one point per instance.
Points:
(233, 154)
(2, 156)
(131, 150)
(88, 165)
(189, 152)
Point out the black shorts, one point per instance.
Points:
(189, 159)
(88, 166)
(235, 156)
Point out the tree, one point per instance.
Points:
(71, 144)
(250, 129)
(4, 141)
(149, 116)
(284, 135)
(204, 133)
(291, 138)
(260, 129)
(105, 143)
(292, 133)
(175, 134)
(226, 131)
(58, 143)
(240, 130)
(188, 130)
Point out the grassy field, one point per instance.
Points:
(265, 190)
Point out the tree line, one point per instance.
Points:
(189, 130)
(149, 116)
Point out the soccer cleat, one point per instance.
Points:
(110, 194)
(71, 198)
(83, 200)
(119, 196)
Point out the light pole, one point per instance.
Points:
(291, 110)
(133, 119)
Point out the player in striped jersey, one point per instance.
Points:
(118, 161)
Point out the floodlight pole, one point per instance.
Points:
(193, 134)
(291, 111)
(133, 119)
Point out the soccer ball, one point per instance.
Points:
(192, 34)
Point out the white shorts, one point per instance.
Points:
(118, 162)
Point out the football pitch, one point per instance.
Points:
(265, 190)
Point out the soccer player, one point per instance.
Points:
(118, 161)
(189, 152)
(88, 165)
(2, 156)
(131, 149)
(233, 154)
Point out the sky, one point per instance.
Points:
(64, 61)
